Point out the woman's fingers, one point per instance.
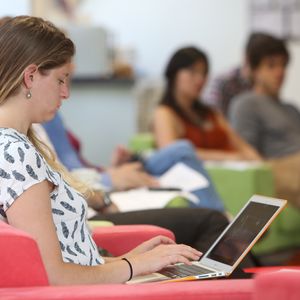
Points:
(187, 252)
(178, 259)
(164, 255)
(190, 254)
(173, 251)
(145, 179)
(150, 244)
(160, 239)
(156, 241)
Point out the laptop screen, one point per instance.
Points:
(242, 232)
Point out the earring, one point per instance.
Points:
(28, 95)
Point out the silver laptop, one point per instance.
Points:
(230, 248)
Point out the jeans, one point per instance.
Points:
(184, 152)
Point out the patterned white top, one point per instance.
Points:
(22, 166)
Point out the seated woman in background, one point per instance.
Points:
(180, 114)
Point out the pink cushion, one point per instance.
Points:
(283, 284)
(21, 263)
(200, 290)
(120, 239)
(270, 269)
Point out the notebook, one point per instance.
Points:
(231, 246)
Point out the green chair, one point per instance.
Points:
(236, 186)
(95, 223)
(178, 202)
(142, 142)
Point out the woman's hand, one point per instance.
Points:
(120, 156)
(113, 208)
(131, 175)
(162, 256)
(149, 245)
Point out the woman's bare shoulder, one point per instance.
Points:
(165, 112)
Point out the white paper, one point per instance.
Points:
(139, 199)
(234, 164)
(142, 198)
(179, 176)
(184, 177)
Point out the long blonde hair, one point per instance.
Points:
(26, 40)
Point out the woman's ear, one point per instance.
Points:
(29, 75)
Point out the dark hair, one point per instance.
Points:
(261, 45)
(181, 59)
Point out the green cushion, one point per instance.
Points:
(94, 223)
(178, 202)
(142, 142)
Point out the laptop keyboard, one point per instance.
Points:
(179, 271)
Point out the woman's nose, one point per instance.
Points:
(65, 92)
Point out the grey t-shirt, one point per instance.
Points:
(272, 127)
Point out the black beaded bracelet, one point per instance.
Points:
(130, 267)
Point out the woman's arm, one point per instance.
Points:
(242, 150)
(31, 212)
(166, 126)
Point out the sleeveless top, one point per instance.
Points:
(22, 166)
(209, 136)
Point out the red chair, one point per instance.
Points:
(122, 238)
(23, 276)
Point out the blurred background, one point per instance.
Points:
(121, 44)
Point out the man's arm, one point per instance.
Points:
(244, 119)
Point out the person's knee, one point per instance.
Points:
(182, 148)
(179, 151)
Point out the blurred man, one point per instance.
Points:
(265, 122)
(225, 87)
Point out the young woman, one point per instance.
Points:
(37, 195)
(181, 115)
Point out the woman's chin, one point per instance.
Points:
(48, 117)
